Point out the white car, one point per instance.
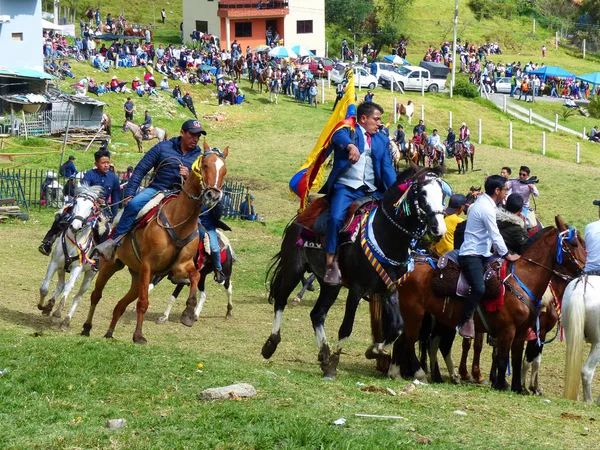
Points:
(383, 68)
(503, 85)
(360, 74)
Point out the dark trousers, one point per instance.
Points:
(472, 267)
(58, 225)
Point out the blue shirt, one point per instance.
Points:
(110, 182)
(169, 154)
(70, 169)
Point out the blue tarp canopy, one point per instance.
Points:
(395, 59)
(592, 78)
(25, 72)
(114, 37)
(552, 71)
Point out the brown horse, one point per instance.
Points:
(412, 152)
(407, 110)
(462, 157)
(238, 68)
(262, 78)
(510, 324)
(167, 245)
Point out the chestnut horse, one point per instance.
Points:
(167, 245)
(262, 78)
(519, 312)
(462, 158)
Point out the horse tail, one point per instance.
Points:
(573, 321)
(234, 257)
(376, 310)
(274, 276)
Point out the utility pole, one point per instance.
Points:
(454, 48)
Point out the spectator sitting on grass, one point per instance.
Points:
(164, 84)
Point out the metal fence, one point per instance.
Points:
(33, 188)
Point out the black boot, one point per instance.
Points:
(46, 248)
(220, 276)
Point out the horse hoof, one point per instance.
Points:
(270, 346)
(46, 311)
(108, 334)
(186, 320)
(161, 320)
(468, 379)
(56, 319)
(383, 363)
(228, 316)
(455, 380)
(64, 326)
(140, 340)
(501, 386)
(329, 378)
(40, 307)
(524, 391)
(296, 301)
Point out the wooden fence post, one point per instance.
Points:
(479, 133)
(577, 155)
(543, 143)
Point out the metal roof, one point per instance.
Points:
(24, 72)
(52, 96)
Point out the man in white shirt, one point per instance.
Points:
(480, 233)
(592, 246)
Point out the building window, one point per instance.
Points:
(17, 36)
(304, 26)
(202, 26)
(243, 29)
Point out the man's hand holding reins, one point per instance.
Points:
(184, 171)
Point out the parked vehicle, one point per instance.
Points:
(413, 78)
(313, 64)
(502, 86)
(382, 67)
(360, 74)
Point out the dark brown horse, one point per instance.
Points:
(238, 68)
(167, 245)
(510, 324)
(462, 157)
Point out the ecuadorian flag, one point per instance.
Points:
(312, 171)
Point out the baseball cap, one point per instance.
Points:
(596, 202)
(71, 158)
(456, 201)
(193, 126)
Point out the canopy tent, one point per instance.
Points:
(592, 78)
(395, 59)
(552, 71)
(49, 25)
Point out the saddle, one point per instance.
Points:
(449, 281)
(202, 257)
(314, 221)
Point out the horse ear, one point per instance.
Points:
(560, 223)
(226, 151)
(205, 145)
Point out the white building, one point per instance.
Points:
(247, 21)
(21, 34)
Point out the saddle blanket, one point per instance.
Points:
(203, 254)
(450, 281)
(314, 220)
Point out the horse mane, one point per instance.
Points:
(93, 191)
(533, 239)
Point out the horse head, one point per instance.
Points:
(572, 247)
(125, 126)
(85, 204)
(418, 196)
(211, 169)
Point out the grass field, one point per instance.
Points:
(60, 388)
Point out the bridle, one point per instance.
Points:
(565, 237)
(405, 207)
(96, 209)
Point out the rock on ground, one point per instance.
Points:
(233, 391)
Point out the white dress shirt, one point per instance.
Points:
(592, 245)
(482, 230)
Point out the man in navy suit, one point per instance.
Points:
(362, 166)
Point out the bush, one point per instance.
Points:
(465, 89)
(594, 107)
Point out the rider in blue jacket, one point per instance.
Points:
(171, 160)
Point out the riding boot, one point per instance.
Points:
(57, 226)
(332, 274)
(108, 248)
(220, 276)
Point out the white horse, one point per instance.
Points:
(72, 251)
(407, 110)
(136, 130)
(275, 89)
(581, 319)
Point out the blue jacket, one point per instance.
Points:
(168, 174)
(385, 175)
(110, 182)
(70, 169)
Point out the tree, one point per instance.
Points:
(347, 13)
(592, 7)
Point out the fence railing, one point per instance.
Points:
(45, 188)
